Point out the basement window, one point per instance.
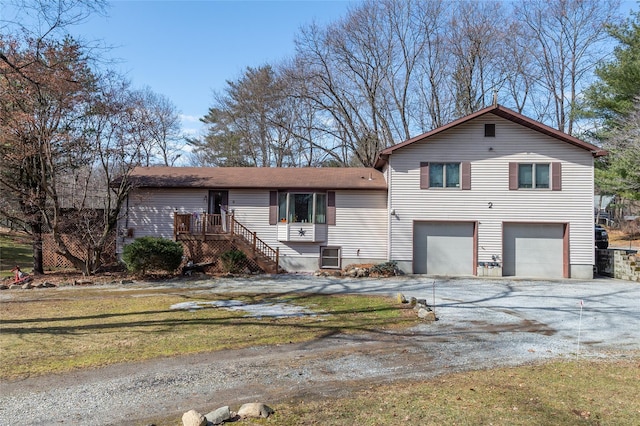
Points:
(330, 257)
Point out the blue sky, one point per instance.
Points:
(185, 50)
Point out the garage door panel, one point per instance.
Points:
(442, 248)
(533, 250)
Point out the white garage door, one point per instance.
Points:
(443, 248)
(533, 250)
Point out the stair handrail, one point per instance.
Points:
(257, 244)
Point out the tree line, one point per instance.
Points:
(391, 69)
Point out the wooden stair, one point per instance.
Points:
(260, 252)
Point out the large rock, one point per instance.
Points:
(219, 416)
(193, 418)
(255, 409)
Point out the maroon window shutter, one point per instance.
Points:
(424, 175)
(513, 176)
(331, 208)
(273, 207)
(556, 176)
(465, 167)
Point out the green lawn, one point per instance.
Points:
(14, 250)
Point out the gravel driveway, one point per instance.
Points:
(481, 323)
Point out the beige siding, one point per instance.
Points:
(150, 211)
(361, 220)
(361, 224)
(489, 159)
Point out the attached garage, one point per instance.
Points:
(444, 248)
(535, 250)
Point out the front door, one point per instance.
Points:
(217, 199)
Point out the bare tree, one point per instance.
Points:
(566, 40)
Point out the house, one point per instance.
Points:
(312, 217)
(493, 193)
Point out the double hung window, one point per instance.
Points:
(533, 176)
(444, 175)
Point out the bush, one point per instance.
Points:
(233, 260)
(151, 253)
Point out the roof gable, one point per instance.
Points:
(502, 112)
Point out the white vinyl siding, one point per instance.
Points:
(149, 212)
(490, 202)
(360, 230)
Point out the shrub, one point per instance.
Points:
(151, 253)
(233, 260)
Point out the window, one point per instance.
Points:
(444, 175)
(534, 176)
(330, 257)
(489, 130)
(302, 207)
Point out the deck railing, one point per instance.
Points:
(199, 224)
(202, 224)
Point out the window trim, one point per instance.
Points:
(464, 170)
(555, 176)
(322, 257)
(284, 218)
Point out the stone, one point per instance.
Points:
(27, 286)
(413, 301)
(219, 416)
(255, 409)
(426, 314)
(193, 418)
(126, 281)
(401, 298)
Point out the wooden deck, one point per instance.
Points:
(204, 226)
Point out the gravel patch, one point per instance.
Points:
(481, 324)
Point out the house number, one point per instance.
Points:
(490, 204)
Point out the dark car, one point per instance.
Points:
(601, 237)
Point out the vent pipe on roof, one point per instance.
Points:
(495, 98)
(370, 176)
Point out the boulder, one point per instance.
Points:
(193, 418)
(219, 416)
(255, 409)
(426, 314)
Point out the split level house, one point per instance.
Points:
(491, 194)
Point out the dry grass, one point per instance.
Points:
(58, 330)
(566, 393)
(624, 239)
(603, 392)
